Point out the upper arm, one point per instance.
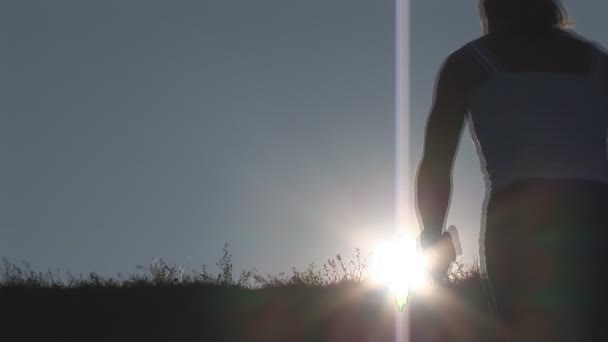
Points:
(447, 116)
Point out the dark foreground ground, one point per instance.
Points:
(214, 313)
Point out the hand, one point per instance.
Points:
(440, 253)
(428, 238)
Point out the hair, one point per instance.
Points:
(526, 15)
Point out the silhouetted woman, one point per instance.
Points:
(536, 97)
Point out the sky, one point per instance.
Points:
(133, 130)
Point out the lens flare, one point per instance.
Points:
(398, 265)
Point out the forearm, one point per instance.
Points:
(433, 189)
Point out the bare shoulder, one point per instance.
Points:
(580, 39)
(462, 68)
(457, 66)
(595, 47)
(601, 48)
(461, 57)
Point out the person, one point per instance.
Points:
(535, 96)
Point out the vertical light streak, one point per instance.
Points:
(402, 121)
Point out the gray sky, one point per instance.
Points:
(140, 129)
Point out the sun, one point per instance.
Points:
(398, 265)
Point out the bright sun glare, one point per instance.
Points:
(398, 265)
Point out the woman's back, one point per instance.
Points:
(539, 107)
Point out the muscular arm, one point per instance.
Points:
(443, 131)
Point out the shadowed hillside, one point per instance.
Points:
(167, 305)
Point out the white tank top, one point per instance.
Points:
(540, 125)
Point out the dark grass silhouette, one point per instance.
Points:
(335, 303)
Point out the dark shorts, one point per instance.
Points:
(546, 253)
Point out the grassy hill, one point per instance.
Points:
(336, 304)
